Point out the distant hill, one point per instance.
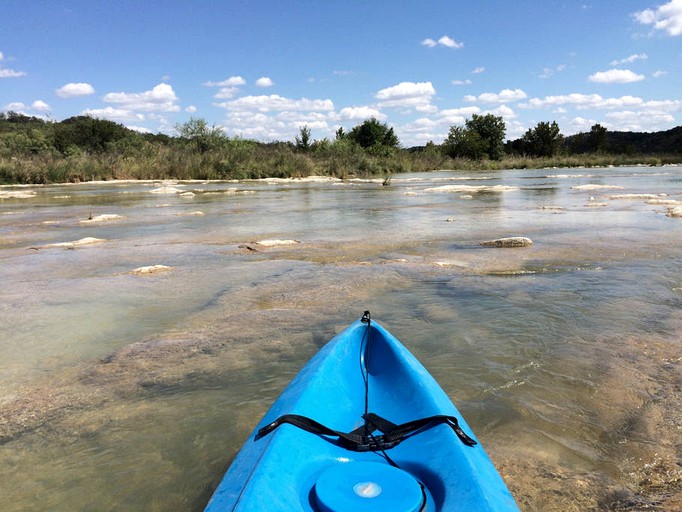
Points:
(665, 142)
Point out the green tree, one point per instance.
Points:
(201, 135)
(545, 140)
(373, 134)
(89, 134)
(303, 140)
(481, 137)
(597, 139)
(464, 143)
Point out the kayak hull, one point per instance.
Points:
(285, 470)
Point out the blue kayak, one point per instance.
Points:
(362, 427)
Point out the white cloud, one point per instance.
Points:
(276, 102)
(503, 111)
(548, 72)
(616, 76)
(228, 82)
(449, 42)
(666, 17)
(140, 129)
(360, 113)
(504, 96)
(462, 82)
(478, 70)
(583, 101)
(225, 93)
(406, 94)
(72, 90)
(659, 73)
(113, 114)
(264, 81)
(40, 106)
(631, 58)
(458, 115)
(10, 73)
(446, 41)
(191, 109)
(161, 98)
(15, 106)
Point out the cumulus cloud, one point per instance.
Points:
(228, 82)
(406, 94)
(446, 41)
(15, 106)
(458, 115)
(583, 101)
(478, 70)
(40, 106)
(616, 76)
(666, 17)
(225, 93)
(10, 73)
(113, 114)
(191, 109)
(504, 96)
(161, 98)
(264, 81)
(631, 58)
(659, 73)
(360, 113)
(276, 102)
(76, 89)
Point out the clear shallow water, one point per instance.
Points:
(122, 391)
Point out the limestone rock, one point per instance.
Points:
(512, 241)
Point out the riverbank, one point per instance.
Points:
(240, 160)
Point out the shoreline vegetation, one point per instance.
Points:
(79, 149)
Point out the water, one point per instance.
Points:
(122, 391)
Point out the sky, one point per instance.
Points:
(262, 69)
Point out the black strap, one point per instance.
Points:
(363, 438)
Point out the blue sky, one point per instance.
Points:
(262, 69)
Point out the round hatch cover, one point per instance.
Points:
(367, 487)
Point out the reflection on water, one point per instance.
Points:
(127, 391)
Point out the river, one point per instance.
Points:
(125, 387)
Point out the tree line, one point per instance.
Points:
(82, 147)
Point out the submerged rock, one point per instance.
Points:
(151, 269)
(674, 211)
(512, 241)
(105, 217)
(88, 240)
(274, 243)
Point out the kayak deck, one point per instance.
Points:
(363, 369)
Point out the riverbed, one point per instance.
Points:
(145, 327)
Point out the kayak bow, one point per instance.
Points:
(362, 427)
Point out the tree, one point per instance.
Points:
(464, 143)
(544, 140)
(373, 134)
(204, 137)
(481, 137)
(89, 134)
(303, 142)
(597, 139)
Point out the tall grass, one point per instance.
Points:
(242, 159)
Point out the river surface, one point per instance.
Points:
(130, 388)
